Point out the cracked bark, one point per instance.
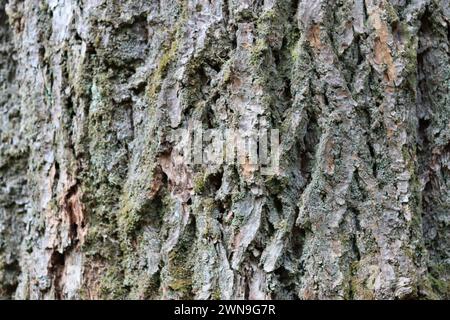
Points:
(97, 201)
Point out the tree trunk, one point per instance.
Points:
(98, 200)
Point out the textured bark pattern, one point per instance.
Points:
(97, 202)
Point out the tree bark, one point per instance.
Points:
(97, 200)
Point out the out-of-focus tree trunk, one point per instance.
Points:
(96, 201)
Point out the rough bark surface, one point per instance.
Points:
(97, 202)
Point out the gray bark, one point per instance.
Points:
(97, 202)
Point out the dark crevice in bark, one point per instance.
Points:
(310, 143)
(9, 279)
(214, 182)
(68, 208)
(298, 239)
(56, 177)
(289, 285)
(56, 269)
(373, 158)
(288, 274)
